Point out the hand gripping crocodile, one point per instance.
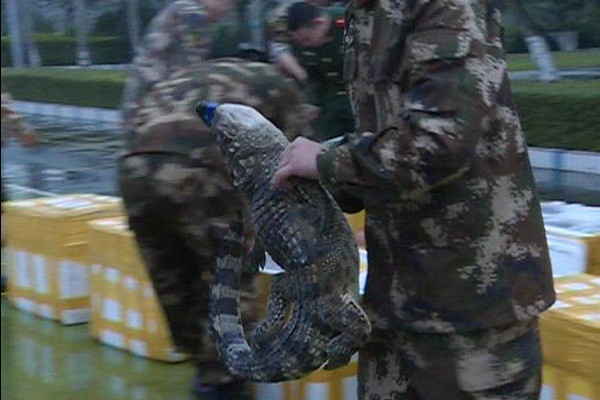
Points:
(306, 233)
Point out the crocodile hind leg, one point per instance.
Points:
(354, 326)
(277, 311)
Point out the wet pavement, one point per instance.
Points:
(74, 157)
(43, 360)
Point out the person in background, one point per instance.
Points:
(317, 37)
(13, 125)
(179, 198)
(459, 270)
(280, 51)
(178, 37)
(315, 65)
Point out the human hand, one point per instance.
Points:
(298, 159)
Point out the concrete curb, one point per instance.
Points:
(70, 112)
(565, 160)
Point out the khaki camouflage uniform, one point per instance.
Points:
(177, 38)
(178, 195)
(326, 88)
(459, 265)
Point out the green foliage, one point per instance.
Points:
(574, 59)
(558, 115)
(114, 22)
(547, 16)
(5, 49)
(513, 40)
(61, 50)
(88, 88)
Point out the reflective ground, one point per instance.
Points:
(74, 157)
(43, 360)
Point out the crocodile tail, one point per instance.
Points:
(271, 362)
(225, 307)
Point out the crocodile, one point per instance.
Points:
(313, 316)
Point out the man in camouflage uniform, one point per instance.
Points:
(280, 49)
(177, 38)
(13, 125)
(458, 262)
(179, 198)
(316, 63)
(317, 35)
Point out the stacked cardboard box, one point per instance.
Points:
(571, 338)
(125, 310)
(48, 264)
(573, 232)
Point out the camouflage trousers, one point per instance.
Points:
(489, 365)
(176, 206)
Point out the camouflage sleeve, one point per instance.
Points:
(433, 101)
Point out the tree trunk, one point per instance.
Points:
(538, 46)
(133, 23)
(14, 27)
(32, 52)
(80, 15)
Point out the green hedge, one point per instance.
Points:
(563, 115)
(513, 40)
(563, 60)
(86, 88)
(61, 50)
(558, 115)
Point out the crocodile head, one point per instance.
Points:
(251, 145)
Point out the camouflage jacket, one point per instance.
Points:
(454, 228)
(12, 122)
(178, 37)
(165, 120)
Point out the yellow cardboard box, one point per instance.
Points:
(125, 311)
(571, 329)
(48, 248)
(573, 232)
